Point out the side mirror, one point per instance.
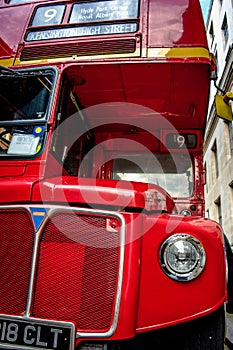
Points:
(223, 106)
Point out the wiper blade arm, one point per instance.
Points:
(8, 70)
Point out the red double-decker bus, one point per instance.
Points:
(103, 240)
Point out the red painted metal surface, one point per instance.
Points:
(171, 24)
(181, 302)
(118, 194)
(159, 84)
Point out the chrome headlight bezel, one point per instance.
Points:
(189, 245)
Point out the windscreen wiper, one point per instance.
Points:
(9, 71)
(29, 73)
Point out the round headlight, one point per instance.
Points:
(182, 257)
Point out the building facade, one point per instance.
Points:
(218, 150)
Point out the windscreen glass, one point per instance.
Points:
(25, 96)
(25, 99)
(173, 172)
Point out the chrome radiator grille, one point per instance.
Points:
(76, 274)
(16, 245)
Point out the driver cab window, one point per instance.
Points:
(173, 172)
(25, 97)
(73, 138)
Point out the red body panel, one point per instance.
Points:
(110, 97)
(117, 194)
(171, 24)
(10, 37)
(181, 302)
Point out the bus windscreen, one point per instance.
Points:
(25, 96)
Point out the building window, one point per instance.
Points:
(228, 135)
(225, 30)
(211, 33)
(216, 59)
(230, 132)
(206, 184)
(219, 209)
(215, 159)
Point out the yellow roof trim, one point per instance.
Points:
(177, 52)
(7, 62)
(160, 53)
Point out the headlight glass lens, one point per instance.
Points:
(182, 257)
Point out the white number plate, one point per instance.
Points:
(36, 334)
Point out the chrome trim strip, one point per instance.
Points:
(33, 270)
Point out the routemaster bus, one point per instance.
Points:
(103, 240)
